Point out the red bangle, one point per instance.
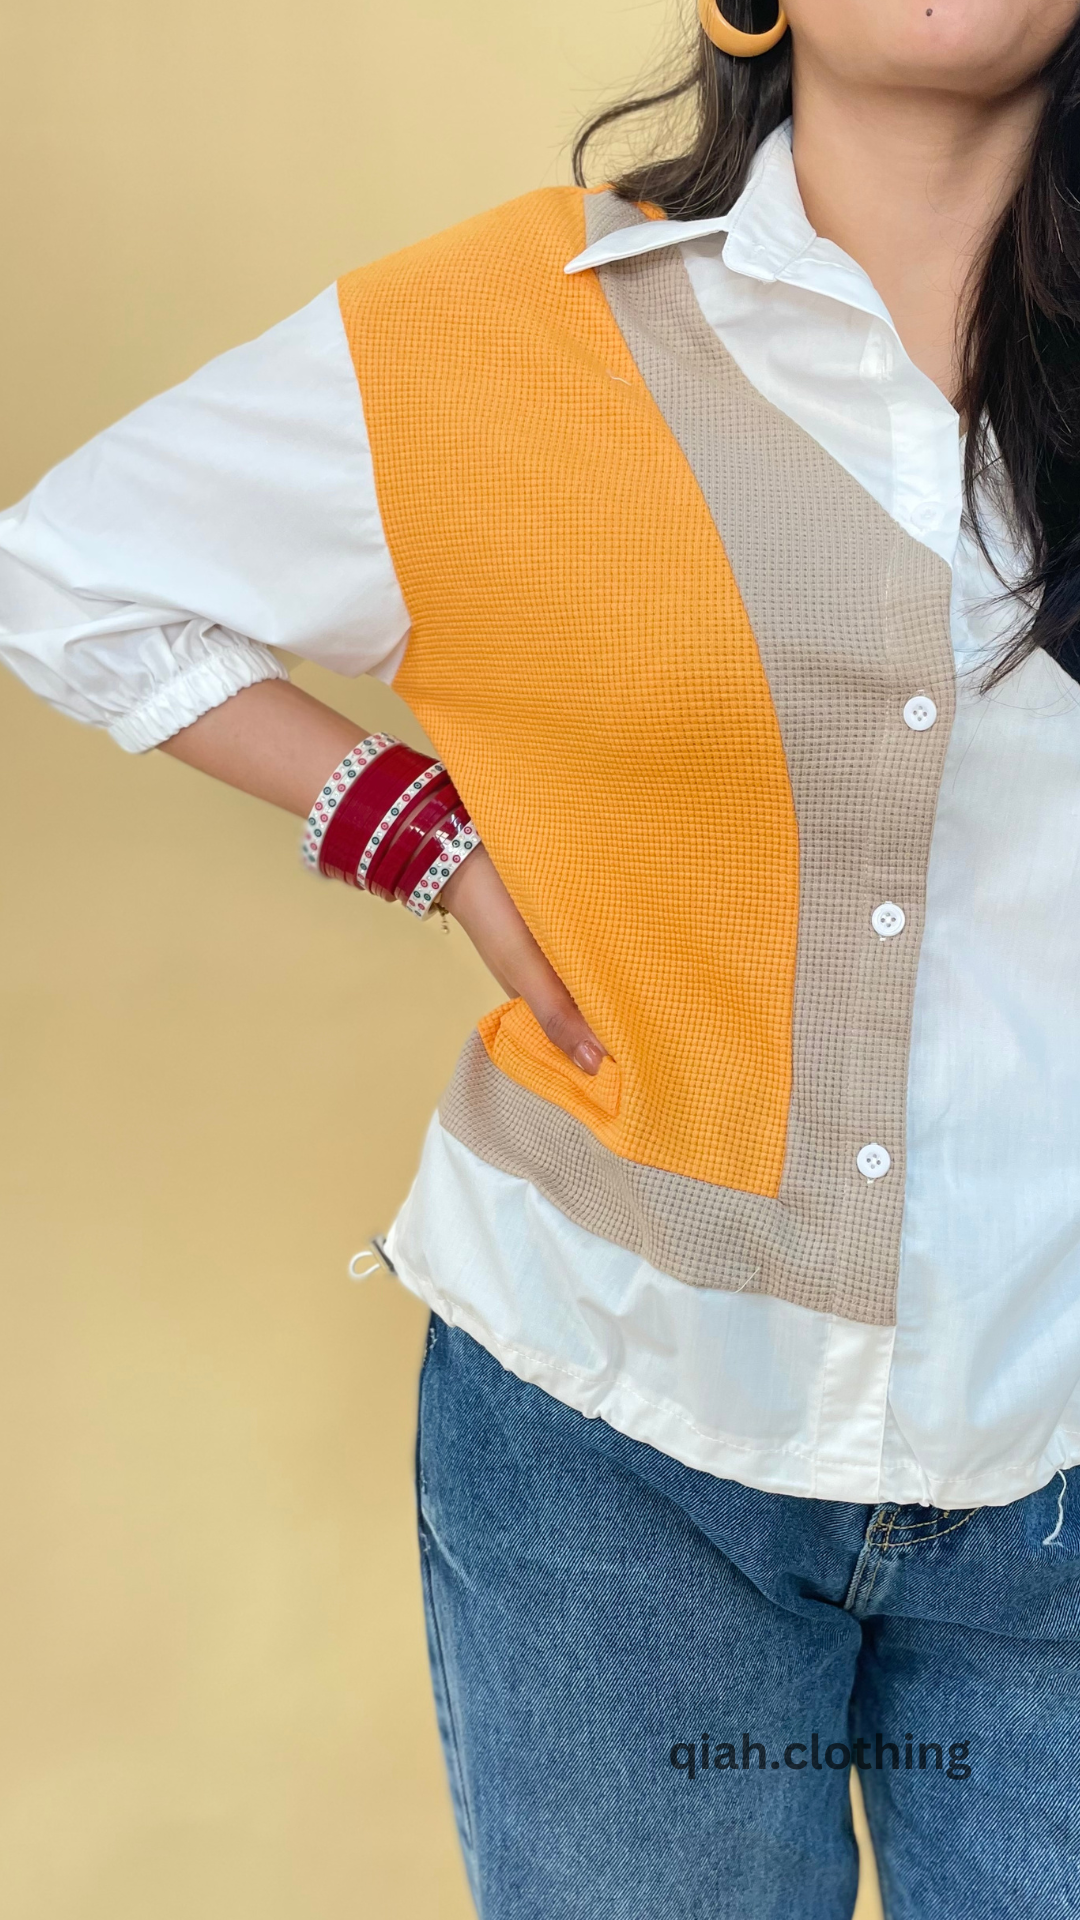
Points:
(331, 795)
(415, 824)
(404, 802)
(453, 821)
(383, 784)
(389, 821)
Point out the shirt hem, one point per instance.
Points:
(767, 1468)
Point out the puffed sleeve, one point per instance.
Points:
(150, 576)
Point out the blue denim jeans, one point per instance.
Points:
(651, 1683)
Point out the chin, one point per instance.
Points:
(976, 47)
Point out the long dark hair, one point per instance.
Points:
(1020, 350)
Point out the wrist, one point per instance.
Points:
(390, 821)
(463, 883)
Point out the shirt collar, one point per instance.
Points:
(769, 237)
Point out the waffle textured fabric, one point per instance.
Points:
(583, 497)
(583, 662)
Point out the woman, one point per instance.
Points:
(720, 527)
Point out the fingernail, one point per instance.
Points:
(589, 1054)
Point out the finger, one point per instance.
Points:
(557, 1012)
(487, 914)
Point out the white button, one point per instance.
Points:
(920, 712)
(873, 1161)
(888, 919)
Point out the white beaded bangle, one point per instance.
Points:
(452, 851)
(336, 788)
(427, 890)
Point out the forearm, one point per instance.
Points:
(271, 740)
(278, 743)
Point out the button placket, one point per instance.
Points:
(874, 1160)
(888, 920)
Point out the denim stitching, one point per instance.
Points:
(454, 1758)
(858, 1591)
(933, 1532)
(452, 1751)
(882, 1548)
(878, 1564)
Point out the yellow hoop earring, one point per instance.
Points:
(745, 46)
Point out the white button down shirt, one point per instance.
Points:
(148, 578)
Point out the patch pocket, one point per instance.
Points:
(520, 1048)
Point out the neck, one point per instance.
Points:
(911, 185)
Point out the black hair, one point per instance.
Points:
(1020, 350)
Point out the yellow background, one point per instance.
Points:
(216, 1073)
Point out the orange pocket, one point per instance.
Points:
(520, 1048)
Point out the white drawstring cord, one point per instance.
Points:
(365, 1253)
(1051, 1537)
(375, 1252)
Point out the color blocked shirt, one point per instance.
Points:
(661, 509)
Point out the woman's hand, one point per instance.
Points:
(275, 741)
(481, 905)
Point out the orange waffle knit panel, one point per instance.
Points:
(583, 662)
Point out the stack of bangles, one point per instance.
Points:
(390, 821)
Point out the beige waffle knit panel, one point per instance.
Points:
(851, 617)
